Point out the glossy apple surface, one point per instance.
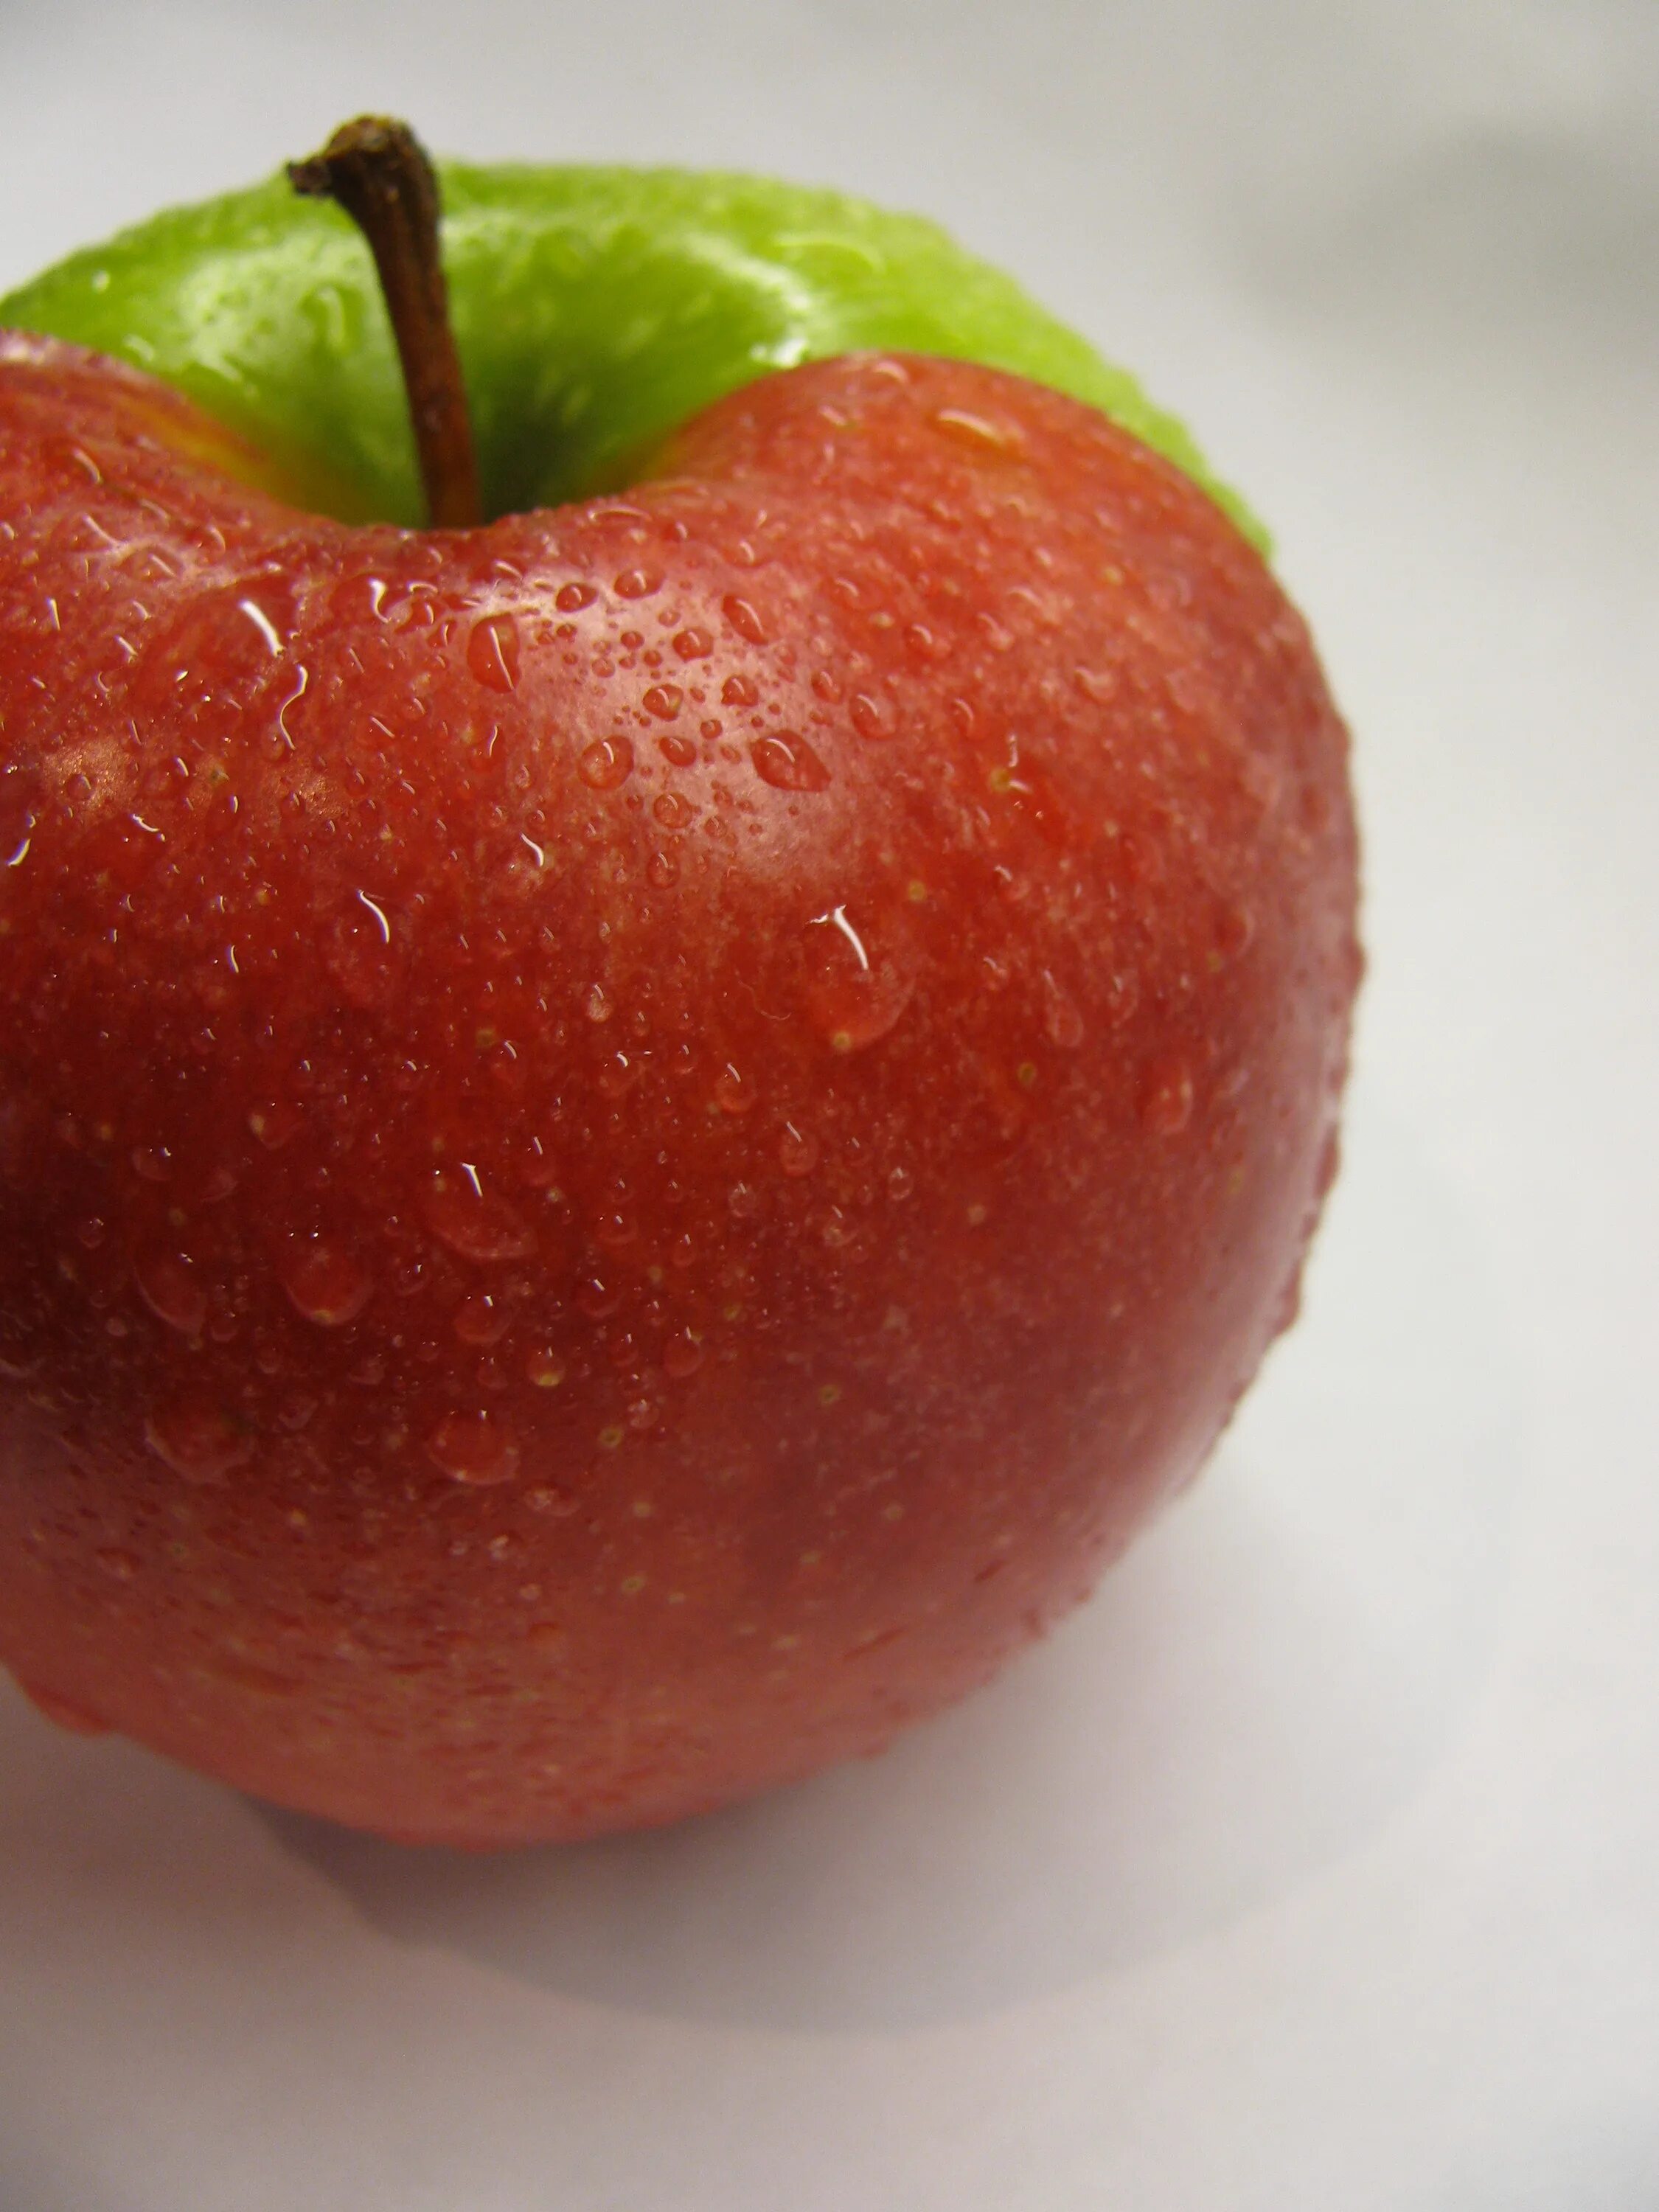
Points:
(631, 1143)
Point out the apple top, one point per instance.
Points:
(595, 310)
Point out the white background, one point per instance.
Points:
(1316, 1866)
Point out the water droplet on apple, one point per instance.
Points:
(856, 987)
(979, 434)
(1235, 927)
(197, 1440)
(571, 599)
(900, 1181)
(274, 1122)
(20, 809)
(1062, 1024)
(870, 717)
(359, 954)
(797, 1150)
(472, 1222)
(787, 762)
(662, 869)
(637, 583)
(598, 1296)
(694, 644)
(475, 1448)
(664, 701)
(672, 811)
(607, 763)
(1166, 1101)
(492, 652)
(683, 1354)
(733, 1091)
(598, 1005)
(544, 1367)
(744, 1202)
(677, 750)
(743, 618)
(170, 1287)
(326, 1283)
(481, 1320)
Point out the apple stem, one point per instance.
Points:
(377, 170)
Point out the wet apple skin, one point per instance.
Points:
(632, 1144)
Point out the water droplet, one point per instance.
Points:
(1062, 1024)
(617, 1073)
(744, 1202)
(662, 869)
(787, 762)
(743, 618)
(571, 599)
(683, 1354)
(492, 652)
(198, 1441)
(607, 763)
(153, 1162)
(797, 1150)
(481, 1321)
(672, 811)
(872, 718)
(900, 1181)
(637, 583)
(474, 1222)
(274, 1122)
(327, 1283)
(170, 1287)
(664, 701)
(544, 1368)
(856, 988)
(678, 751)
(1235, 927)
(1166, 1102)
(734, 1092)
(694, 644)
(1098, 684)
(738, 691)
(598, 1005)
(475, 1448)
(598, 1297)
(978, 433)
(358, 952)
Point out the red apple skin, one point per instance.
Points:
(631, 1143)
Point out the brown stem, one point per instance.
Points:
(377, 170)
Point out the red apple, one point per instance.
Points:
(632, 1142)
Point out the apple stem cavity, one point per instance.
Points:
(376, 169)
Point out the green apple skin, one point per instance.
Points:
(596, 309)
